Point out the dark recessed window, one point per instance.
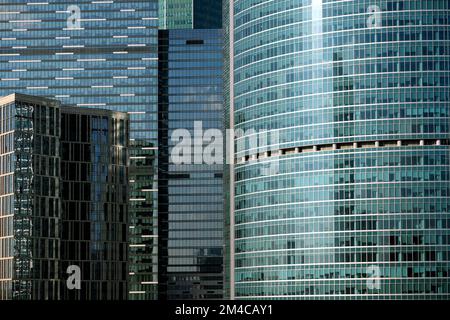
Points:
(194, 42)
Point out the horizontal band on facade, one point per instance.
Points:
(342, 146)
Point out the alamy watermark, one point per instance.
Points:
(375, 17)
(74, 280)
(373, 278)
(74, 19)
(208, 146)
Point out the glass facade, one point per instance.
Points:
(190, 14)
(175, 14)
(94, 196)
(63, 200)
(190, 195)
(96, 54)
(30, 213)
(359, 97)
(207, 14)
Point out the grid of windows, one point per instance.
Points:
(190, 14)
(97, 54)
(190, 195)
(6, 198)
(330, 221)
(30, 205)
(94, 195)
(175, 14)
(63, 200)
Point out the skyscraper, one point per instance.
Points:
(96, 54)
(190, 193)
(64, 200)
(357, 204)
(190, 14)
(30, 203)
(94, 197)
(175, 14)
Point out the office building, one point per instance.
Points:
(190, 206)
(357, 204)
(96, 54)
(190, 194)
(190, 14)
(64, 201)
(30, 215)
(94, 197)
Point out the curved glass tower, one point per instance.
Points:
(358, 95)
